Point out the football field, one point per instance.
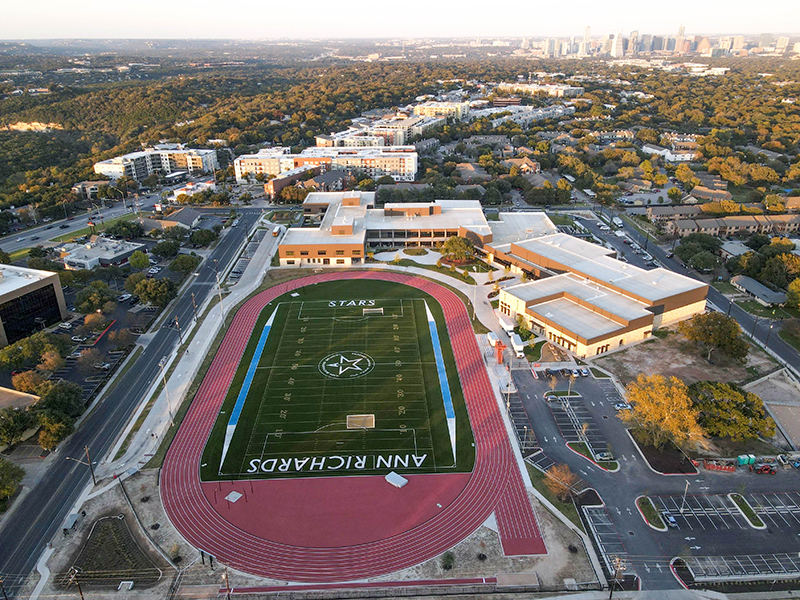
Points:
(338, 378)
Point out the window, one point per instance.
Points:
(322, 252)
(339, 261)
(290, 253)
(290, 262)
(30, 313)
(326, 261)
(340, 253)
(303, 252)
(356, 252)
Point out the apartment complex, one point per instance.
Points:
(392, 131)
(735, 225)
(29, 301)
(450, 110)
(583, 298)
(162, 159)
(556, 90)
(398, 162)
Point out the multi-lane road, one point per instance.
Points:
(34, 522)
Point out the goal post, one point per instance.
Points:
(372, 311)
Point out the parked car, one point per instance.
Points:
(102, 366)
(622, 406)
(78, 339)
(669, 519)
(565, 373)
(584, 372)
(123, 297)
(604, 456)
(76, 354)
(66, 326)
(574, 373)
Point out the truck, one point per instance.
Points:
(617, 222)
(518, 345)
(493, 339)
(277, 231)
(506, 322)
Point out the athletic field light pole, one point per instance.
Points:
(161, 364)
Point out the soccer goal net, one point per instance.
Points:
(372, 311)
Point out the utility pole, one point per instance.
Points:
(88, 463)
(178, 325)
(161, 364)
(194, 305)
(74, 578)
(225, 578)
(619, 568)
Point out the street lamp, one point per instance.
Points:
(161, 364)
(686, 489)
(769, 332)
(178, 325)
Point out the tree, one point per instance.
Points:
(13, 423)
(703, 261)
(184, 263)
(139, 260)
(93, 297)
(51, 361)
(661, 411)
(10, 477)
(166, 249)
(5, 257)
(560, 480)
(89, 357)
(28, 351)
(54, 428)
(156, 291)
(63, 398)
(715, 331)
(93, 321)
(176, 233)
(726, 410)
(125, 229)
(203, 237)
(132, 281)
(458, 248)
(674, 194)
(793, 293)
(121, 338)
(28, 381)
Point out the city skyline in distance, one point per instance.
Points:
(256, 20)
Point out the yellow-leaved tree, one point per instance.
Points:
(661, 411)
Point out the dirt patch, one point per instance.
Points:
(669, 459)
(675, 355)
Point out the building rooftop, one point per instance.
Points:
(574, 317)
(758, 290)
(98, 248)
(13, 399)
(518, 226)
(13, 278)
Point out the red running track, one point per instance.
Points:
(210, 523)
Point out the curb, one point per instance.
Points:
(591, 460)
(636, 504)
(741, 512)
(639, 450)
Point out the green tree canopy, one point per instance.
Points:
(715, 331)
(139, 260)
(125, 229)
(93, 297)
(28, 351)
(10, 477)
(726, 410)
(64, 397)
(132, 281)
(13, 423)
(166, 249)
(458, 248)
(158, 292)
(184, 263)
(203, 237)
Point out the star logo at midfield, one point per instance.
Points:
(346, 365)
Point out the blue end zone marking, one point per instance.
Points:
(251, 372)
(437, 352)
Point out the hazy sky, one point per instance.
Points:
(264, 19)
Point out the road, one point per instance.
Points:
(43, 233)
(45, 508)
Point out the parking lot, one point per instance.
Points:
(699, 512)
(781, 509)
(576, 423)
(605, 535)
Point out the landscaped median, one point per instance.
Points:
(650, 514)
(581, 448)
(747, 511)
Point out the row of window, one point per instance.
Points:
(323, 261)
(325, 253)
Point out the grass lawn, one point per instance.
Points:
(479, 267)
(790, 339)
(495, 303)
(534, 353)
(407, 262)
(598, 373)
(333, 386)
(88, 230)
(754, 308)
(582, 448)
(415, 251)
(284, 217)
(748, 511)
(561, 220)
(725, 287)
(19, 254)
(566, 508)
(650, 513)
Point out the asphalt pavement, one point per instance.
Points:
(35, 521)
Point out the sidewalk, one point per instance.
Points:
(147, 439)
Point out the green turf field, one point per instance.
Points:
(339, 392)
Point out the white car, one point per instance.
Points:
(123, 297)
(66, 326)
